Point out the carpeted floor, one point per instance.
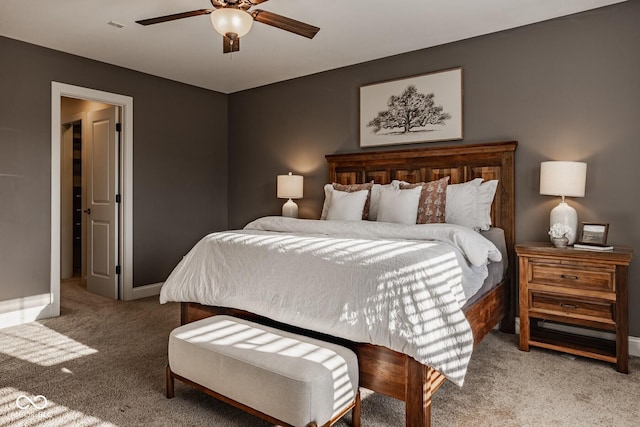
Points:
(102, 363)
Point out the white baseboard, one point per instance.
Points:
(146, 290)
(634, 342)
(634, 346)
(24, 310)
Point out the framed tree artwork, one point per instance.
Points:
(425, 108)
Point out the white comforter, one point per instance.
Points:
(392, 285)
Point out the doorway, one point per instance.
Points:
(90, 190)
(124, 175)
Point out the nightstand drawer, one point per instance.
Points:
(578, 308)
(573, 276)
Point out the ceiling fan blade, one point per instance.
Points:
(175, 16)
(230, 45)
(285, 23)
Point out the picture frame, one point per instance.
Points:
(436, 114)
(594, 233)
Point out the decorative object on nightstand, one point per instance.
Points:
(565, 289)
(594, 237)
(290, 187)
(564, 179)
(559, 233)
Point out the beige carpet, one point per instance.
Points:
(102, 363)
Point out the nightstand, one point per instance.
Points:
(562, 288)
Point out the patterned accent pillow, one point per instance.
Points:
(433, 198)
(350, 188)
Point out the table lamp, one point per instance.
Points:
(290, 187)
(563, 179)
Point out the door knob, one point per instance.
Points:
(87, 211)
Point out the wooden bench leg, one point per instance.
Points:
(355, 412)
(170, 383)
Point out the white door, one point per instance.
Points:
(102, 209)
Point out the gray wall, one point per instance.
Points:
(180, 163)
(566, 89)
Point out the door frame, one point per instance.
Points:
(59, 90)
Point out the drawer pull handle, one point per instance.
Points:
(569, 276)
(571, 306)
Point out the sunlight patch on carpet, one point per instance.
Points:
(35, 343)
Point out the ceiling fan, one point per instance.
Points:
(232, 19)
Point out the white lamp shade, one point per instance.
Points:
(290, 186)
(563, 178)
(231, 20)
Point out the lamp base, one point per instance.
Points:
(565, 214)
(290, 209)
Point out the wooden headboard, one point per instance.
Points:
(462, 163)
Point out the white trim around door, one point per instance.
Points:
(58, 90)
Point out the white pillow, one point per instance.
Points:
(399, 206)
(376, 190)
(469, 203)
(347, 205)
(486, 193)
(328, 190)
(373, 206)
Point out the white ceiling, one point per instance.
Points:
(190, 51)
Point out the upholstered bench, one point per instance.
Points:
(284, 378)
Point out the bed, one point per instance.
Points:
(390, 372)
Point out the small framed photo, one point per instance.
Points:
(594, 234)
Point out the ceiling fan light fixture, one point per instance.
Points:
(231, 20)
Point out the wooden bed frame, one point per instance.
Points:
(381, 369)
